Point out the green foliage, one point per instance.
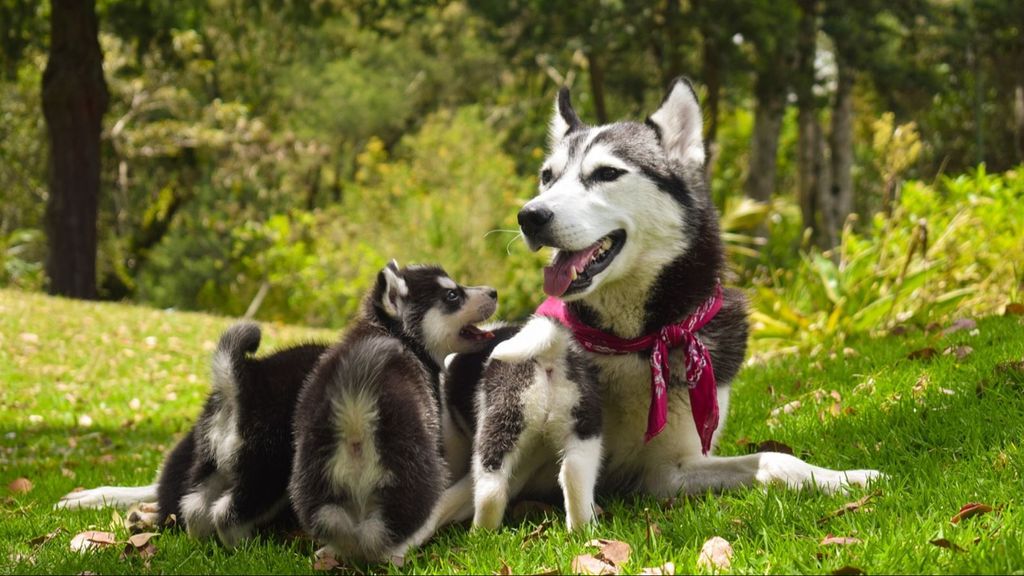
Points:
(949, 249)
(448, 195)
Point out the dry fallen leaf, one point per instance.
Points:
(850, 506)
(922, 354)
(505, 570)
(970, 509)
(20, 485)
(325, 562)
(92, 539)
(588, 564)
(40, 540)
(944, 543)
(786, 408)
(537, 532)
(960, 352)
(1014, 309)
(666, 569)
(141, 539)
(831, 540)
(958, 325)
(715, 554)
(615, 552)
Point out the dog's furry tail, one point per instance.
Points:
(540, 339)
(237, 341)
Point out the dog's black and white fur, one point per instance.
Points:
(535, 402)
(369, 461)
(634, 195)
(229, 475)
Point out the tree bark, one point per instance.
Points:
(839, 202)
(809, 131)
(764, 143)
(713, 81)
(596, 74)
(74, 100)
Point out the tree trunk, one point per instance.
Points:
(596, 74)
(808, 154)
(764, 144)
(840, 194)
(74, 100)
(713, 81)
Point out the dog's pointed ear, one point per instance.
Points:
(391, 290)
(679, 123)
(564, 121)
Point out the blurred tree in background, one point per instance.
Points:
(287, 148)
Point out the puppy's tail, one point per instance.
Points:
(240, 339)
(540, 339)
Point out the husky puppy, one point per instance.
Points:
(369, 462)
(537, 401)
(230, 474)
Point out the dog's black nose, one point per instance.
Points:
(532, 219)
(492, 293)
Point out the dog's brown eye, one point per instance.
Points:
(545, 176)
(607, 174)
(451, 296)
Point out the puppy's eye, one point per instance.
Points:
(607, 174)
(451, 295)
(546, 176)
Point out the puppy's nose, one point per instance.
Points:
(533, 219)
(492, 293)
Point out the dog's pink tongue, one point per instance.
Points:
(558, 276)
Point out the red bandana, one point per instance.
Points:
(700, 375)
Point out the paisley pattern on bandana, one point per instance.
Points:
(700, 374)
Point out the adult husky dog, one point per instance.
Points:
(637, 247)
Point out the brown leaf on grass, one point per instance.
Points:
(715, 554)
(773, 446)
(141, 539)
(788, 408)
(588, 564)
(831, 540)
(922, 354)
(537, 532)
(1014, 309)
(505, 570)
(325, 561)
(92, 539)
(970, 509)
(944, 543)
(850, 507)
(20, 485)
(960, 324)
(960, 352)
(43, 539)
(666, 569)
(848, 571)
(615, 551)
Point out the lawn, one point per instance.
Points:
(94, 393)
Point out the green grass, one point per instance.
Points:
(954, 439)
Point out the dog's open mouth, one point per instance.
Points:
(573, 271)
(474, 334)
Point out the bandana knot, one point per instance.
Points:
(700, 375)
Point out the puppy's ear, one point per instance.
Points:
(680, 124)
(393, 290)
(564, 121)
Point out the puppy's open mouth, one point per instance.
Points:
(573, 271)
(474, 334)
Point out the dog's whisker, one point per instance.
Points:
(489, 232)
(508, 247)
